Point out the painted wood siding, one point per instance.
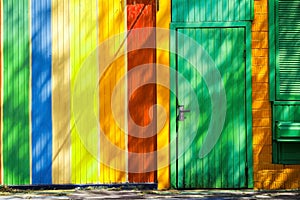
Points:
(163, 18)
(41, 95)
(16, 67)
(111, 21)
(142, 138)
(44, 46)
(225, 166)
(61, 93)
(1, 91)
(83, 41)
(212, 10)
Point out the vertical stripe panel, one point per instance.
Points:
(163, 94)
(41, 92)
(142, 140)
(83, 21)
(1, 90)
(111, 24)
(16, 93)
(61, 158)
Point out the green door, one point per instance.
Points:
(211, 132)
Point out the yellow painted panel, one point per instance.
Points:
(83, 20)
(111, 24)
(61, 92)
(163, 18)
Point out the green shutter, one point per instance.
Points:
(287, 27)
(286, 132)
(284, 47)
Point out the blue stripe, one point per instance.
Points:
(41, 92)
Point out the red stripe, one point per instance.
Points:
(140, 140)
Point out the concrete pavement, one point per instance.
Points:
(94, 193)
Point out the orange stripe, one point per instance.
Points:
(113, 164)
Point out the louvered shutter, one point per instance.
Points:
(287, 49)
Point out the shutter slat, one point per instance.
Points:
(288, 39)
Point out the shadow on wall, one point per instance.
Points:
(266, 174)
(225, 166)
(15, 134)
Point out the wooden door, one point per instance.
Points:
(225, 166)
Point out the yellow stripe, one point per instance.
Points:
(163, 21)
(61, 92)
(83, 22)
(111, 23)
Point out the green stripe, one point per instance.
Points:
(16, 93)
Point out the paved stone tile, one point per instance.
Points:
(142, 194)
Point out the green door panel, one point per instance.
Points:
(225, 165)
(212, 10)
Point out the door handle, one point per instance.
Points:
(181, 113)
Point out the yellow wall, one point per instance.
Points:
(266, 174)
(83, 30)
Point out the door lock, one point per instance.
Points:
(181, 113)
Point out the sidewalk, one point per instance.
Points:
(140, 194)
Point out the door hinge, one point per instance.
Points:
(157, 5)
(245, 54)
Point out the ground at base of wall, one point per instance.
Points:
(91, 193)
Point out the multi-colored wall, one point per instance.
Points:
(44, 45)
(48, 136)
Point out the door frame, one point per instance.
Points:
(173, 85)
